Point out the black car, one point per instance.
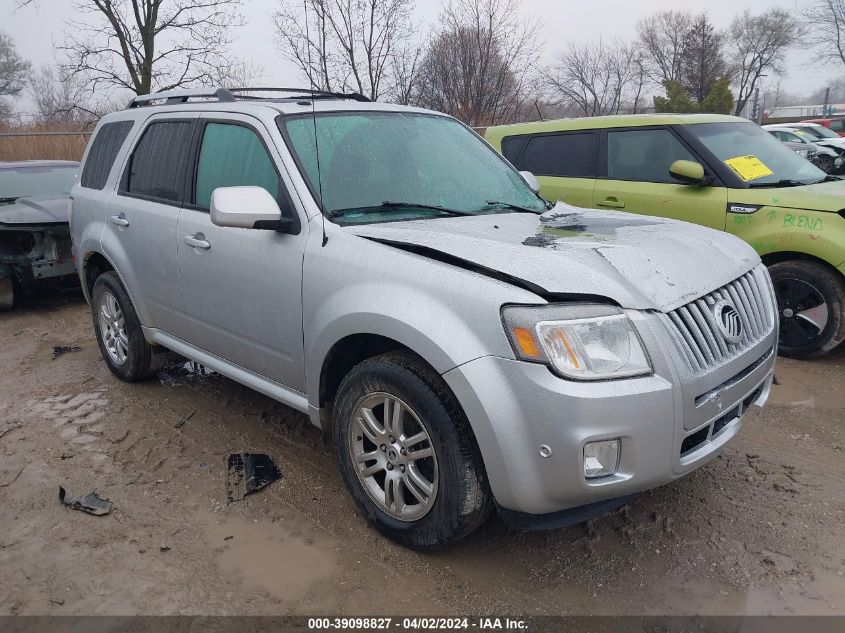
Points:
(34, 236)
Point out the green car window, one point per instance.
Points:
(231, 156)
(368, 158)
(643, 155)
(728, 141)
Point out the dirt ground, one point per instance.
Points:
(756, 531)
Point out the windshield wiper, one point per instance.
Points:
(512, 207)
(786, 182)
(827, 178)
(390, 204)
(8, 200)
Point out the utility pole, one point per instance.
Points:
(756, 115)
(827, 110)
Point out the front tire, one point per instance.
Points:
(826, 164)
(407, 454)
(811, 306)
(119, 334)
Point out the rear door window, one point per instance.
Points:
(837, 125)
(158, 164)
(643, 155)
(104, 149)
(233, 155)
(571, 155)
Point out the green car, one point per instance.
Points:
(720, 171)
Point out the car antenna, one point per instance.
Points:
(314, 121)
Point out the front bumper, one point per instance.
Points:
(515, 407)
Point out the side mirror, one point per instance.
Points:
(531, 179)
(687, 171)
(247, 208)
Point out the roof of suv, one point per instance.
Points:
(210, 101)
(591, 123)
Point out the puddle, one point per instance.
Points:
(290, 558)
(183, 371)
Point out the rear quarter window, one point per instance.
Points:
(571, 155)
(104, 148)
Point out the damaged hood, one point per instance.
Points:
(640, 262)
(30, 211)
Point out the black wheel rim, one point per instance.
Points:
(803, 312)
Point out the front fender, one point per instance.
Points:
(775, 229)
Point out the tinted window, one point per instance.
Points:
(157, 168)
(233, 155)
(512, 147)
(104, 149)
(571, 155)
(643, 155)
(837, 125)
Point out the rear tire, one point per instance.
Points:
(119, 334)
(811, 307)
(435, 500)
(7, 293)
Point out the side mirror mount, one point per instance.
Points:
(531, 179)
(688, 172)
(247, 208)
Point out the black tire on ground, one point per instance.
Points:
(142, 359)
(7, 293)
(463, 500)
(826, 163)
(800, 286)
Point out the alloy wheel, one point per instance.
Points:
(803, 312)
(113, 328)
(393, 456)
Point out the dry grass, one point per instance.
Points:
(42, 147)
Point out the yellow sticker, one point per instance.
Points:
(748, 167)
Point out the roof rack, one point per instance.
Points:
(172, 97)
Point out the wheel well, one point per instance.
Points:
(95, 265)
(347, 353)
(785, 256)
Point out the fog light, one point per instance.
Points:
(601, 458)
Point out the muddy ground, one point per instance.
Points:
(758, 530)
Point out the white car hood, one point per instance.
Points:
(640, 262)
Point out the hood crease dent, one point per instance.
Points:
(638, 262)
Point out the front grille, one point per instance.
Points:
(694, 327)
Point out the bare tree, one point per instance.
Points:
(598, 78)
(347, 45)
(146, 45)
(828, 20)
(479, 64)
(759, 43)
(14, 71)
(59, 100)
(663, 37)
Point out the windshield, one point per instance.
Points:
(819, 131)
(38, 182)
(414, 162)
(755, 155)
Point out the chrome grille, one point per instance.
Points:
(697, 333)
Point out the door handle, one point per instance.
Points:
(611, 202)
(119, 220)
(197, 241)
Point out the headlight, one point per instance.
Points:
(578, 341)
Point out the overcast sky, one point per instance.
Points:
(35, 30)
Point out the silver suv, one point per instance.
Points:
(466, 344)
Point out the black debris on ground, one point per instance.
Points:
(248, 472)
(61, 350)
(90, 503)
